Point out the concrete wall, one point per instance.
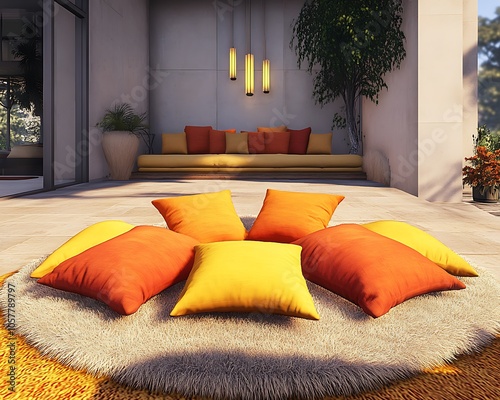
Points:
(390, 129)
(119, 69)
(189, 52)
(440, 101)
(470, 71)
(422, 124)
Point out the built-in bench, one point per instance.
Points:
(250, 163)
(202, 150)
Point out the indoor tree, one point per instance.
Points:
(349, 45)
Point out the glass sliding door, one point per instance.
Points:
(21, 141)
(65, 94)
(65, 81)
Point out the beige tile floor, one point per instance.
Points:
(34, 225)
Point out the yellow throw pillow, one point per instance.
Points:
(174, 143)
(207, 217)
(320, 143)
(93, 235)
(425, 244)
(237, 144)
(245, 276)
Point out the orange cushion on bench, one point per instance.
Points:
(197, 137)
(299, 139)
(277, 142)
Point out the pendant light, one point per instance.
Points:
(232, 53)
(249, 59)
(266, 64)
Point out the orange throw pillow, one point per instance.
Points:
(207, 217)
(288, 216)
(197, 138)
(126, 271)
(368, 269)
(281, 128)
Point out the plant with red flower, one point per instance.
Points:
(483, 169)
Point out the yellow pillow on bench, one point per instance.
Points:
(174, 143)
(237, 143)
(320, 143)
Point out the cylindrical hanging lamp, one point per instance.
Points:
(232, 52)
(249, 60)
(266, 76)
(232, 63)
(266, 64)
(249, 74)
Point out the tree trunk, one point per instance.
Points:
(352, 125)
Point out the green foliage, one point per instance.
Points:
(26, 91)
(122, 117)
(486, 138)
(489, 72)
(29, 93)
(349, 45)
(24, 127)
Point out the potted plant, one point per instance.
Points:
(122, 128)
(483, 174)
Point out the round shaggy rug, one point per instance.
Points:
(255, 356)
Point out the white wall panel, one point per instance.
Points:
(423, 124)
(184, 97)
(118, 65)
(391, 128)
